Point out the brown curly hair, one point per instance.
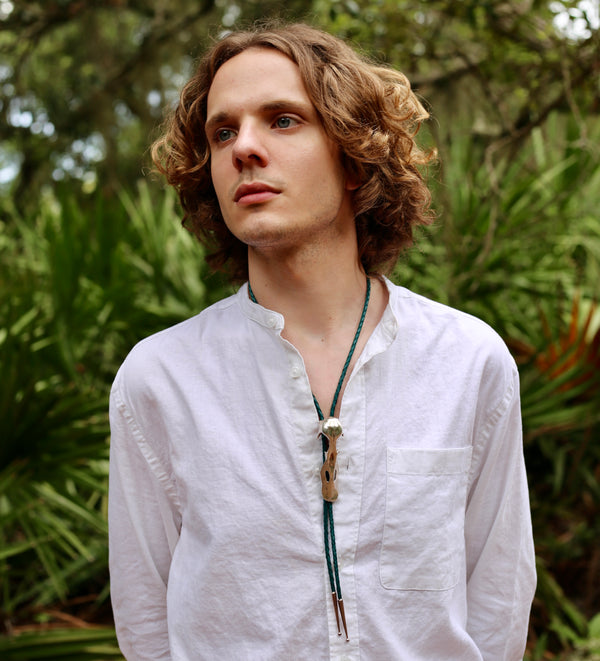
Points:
(368, 110)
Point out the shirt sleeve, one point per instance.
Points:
(143, 531)
(501, 574)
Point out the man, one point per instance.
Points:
(323, 465)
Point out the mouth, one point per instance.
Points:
(254, 193)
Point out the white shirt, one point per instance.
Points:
(216, 528)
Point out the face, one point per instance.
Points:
(277, 175)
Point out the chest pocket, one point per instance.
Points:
(423, 532)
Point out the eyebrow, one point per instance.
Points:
(224, 117)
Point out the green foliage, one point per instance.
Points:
(503, 65)
(588, 649)
(53, 425)
(67, 645)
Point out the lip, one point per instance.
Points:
(254, 193)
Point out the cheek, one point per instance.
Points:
(326, 174)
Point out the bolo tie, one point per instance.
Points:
(330, 431)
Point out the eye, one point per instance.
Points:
(223, 135)
(285, 122)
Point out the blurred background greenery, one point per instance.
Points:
(92, 260)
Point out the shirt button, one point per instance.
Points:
(272, 322)
(295, 372)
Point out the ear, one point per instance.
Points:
(352, 179)
(352, 182)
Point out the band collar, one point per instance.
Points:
(267, 318)
(386, 329)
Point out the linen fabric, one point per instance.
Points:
(215, 509)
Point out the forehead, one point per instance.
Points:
(253, 77)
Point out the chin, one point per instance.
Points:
(261, 233)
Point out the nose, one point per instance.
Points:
(249, 147)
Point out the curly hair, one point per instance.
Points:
(367, 109)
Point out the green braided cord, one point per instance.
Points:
(319, 412)
(351, 352)
(252, 296)
(326, 539)
(334, 552)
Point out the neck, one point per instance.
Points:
(321, 301)
(316, 297)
